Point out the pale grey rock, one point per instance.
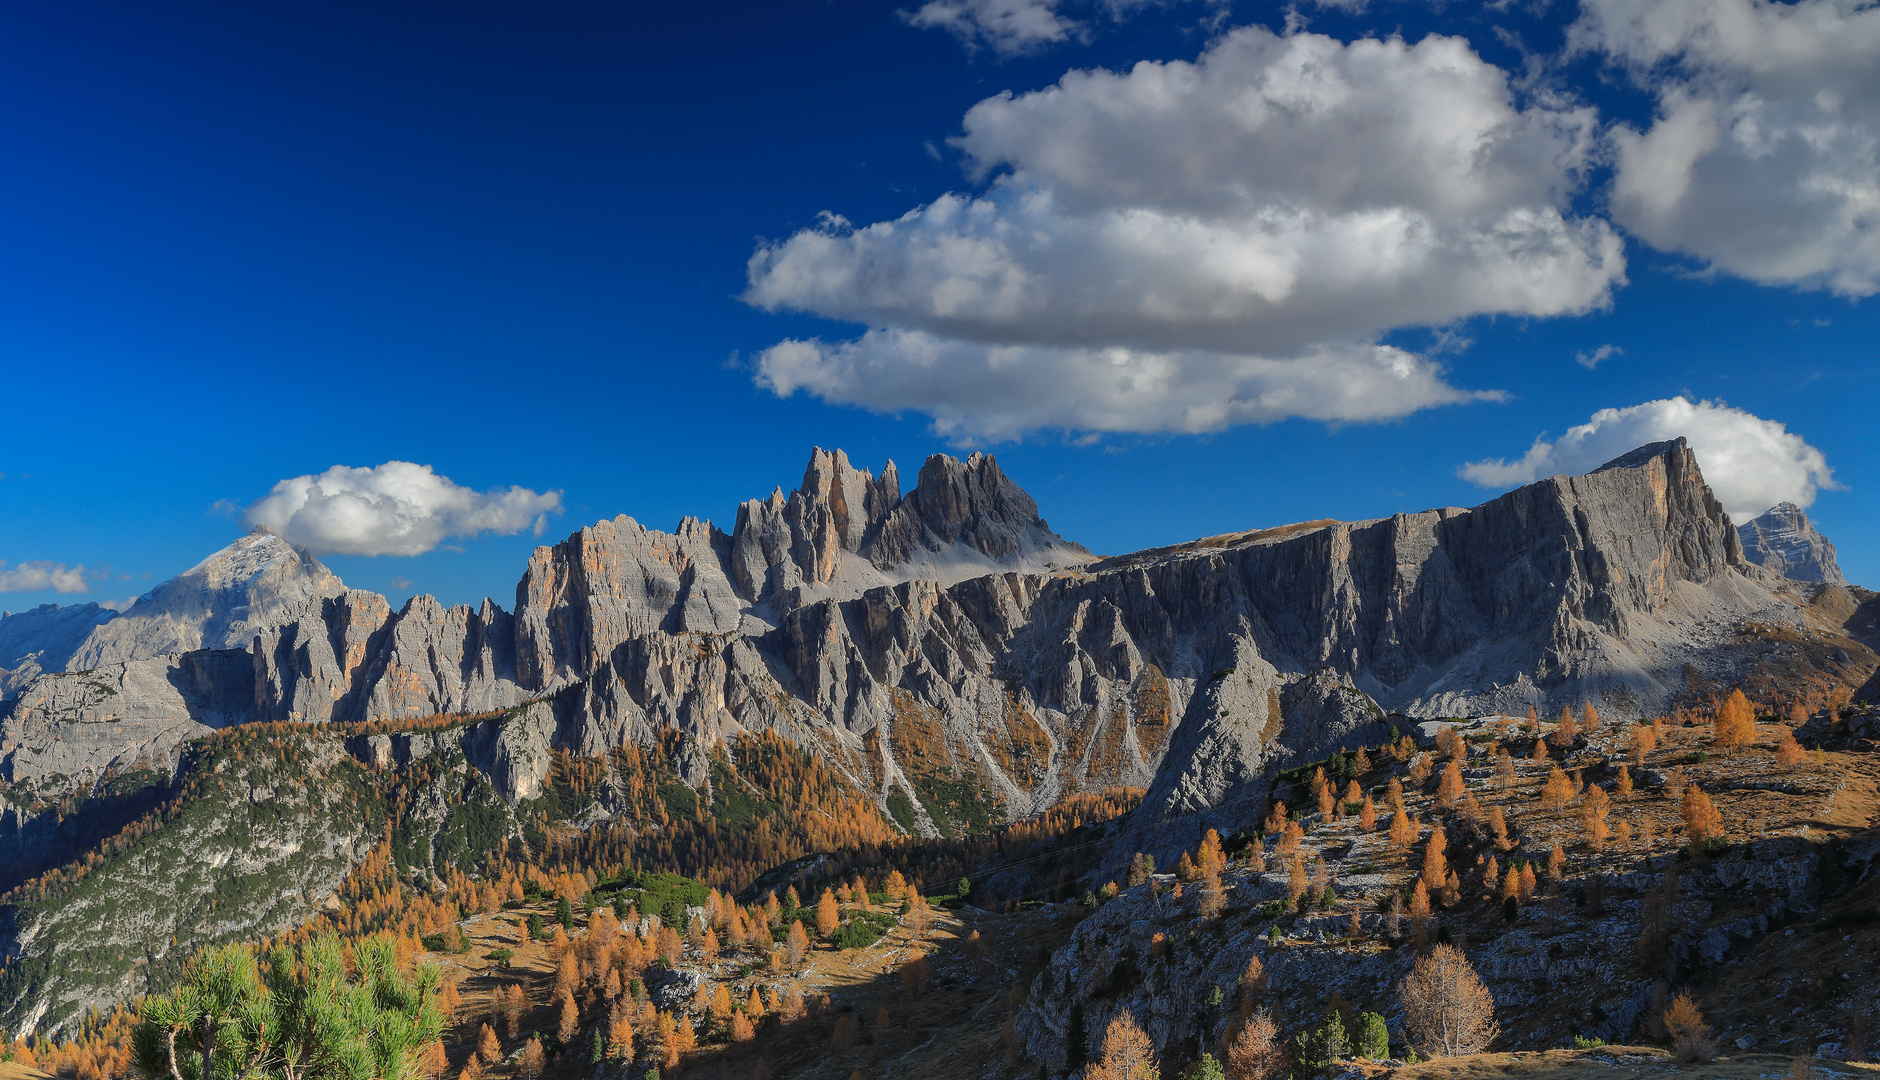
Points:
(43, 639)
(1035, 671)
(844, 532)
(613, 581)
(1248, 723)
(518, 752)
(783, 549)
(1783, 541)
(80, 725)
(436, 659)
(220, 603)
(969, 506)
(313, 666)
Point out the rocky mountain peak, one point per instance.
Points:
(220, 603)
(973, 504)
(845, 530)
(1782, 541)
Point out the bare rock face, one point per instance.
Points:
(844, 531)
(962, 507)
(614, 581)
(1782, 541)
(786, 551)
(220, 603)
(43, 639)
(121, 716)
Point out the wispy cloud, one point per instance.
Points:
(1592, 360)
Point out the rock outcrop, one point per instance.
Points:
(1782, 541)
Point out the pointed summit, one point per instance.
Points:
(1782, 541)
(217, 604)
(845, 530)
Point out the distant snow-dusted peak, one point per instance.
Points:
(219, 603)
(1783, 541)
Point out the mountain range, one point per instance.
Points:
(847, 608)
(943, 652)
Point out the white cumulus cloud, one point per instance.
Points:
(397, 508)
(42, 575)
(1764, 157)
(1750, 463)
(1235, 232)
(1003, 391)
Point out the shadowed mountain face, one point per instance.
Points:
(1782, 541)
(945, 641)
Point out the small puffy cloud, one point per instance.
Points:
(1750, 463)
(403, 584)
(1282, 200)
(42, 575)
(1592, 360)
(397, 508)
(1764, 157)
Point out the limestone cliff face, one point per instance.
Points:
(614, 581)
(844, 531)
(1783, 541)
(43, 639)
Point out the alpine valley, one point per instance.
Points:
(854, 676)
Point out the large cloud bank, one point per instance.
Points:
(1764, 157)
(42, 575)
(1750, 463)
(1184, 246)
(397, 508)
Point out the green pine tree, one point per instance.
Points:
(564, 913)
(1321, 1045)
(300, 1016)
(1373, 1037)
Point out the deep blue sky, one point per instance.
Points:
(244, 242)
